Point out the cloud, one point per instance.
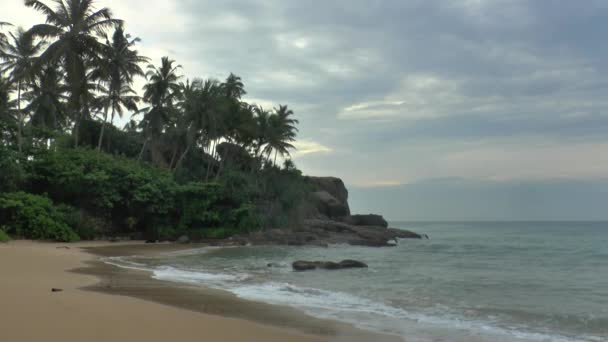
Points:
(305, 147)
(402, 91)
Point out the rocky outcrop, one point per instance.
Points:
(329, 197)
(326, 220)
(365, 220)
(329, 206)
(326, 265)
(319, 232)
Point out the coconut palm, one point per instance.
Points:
(116, 68)
(281, 132)
(117, 100)
(7, 118)
(161, 92)
(72, 28)
(3, 36)
(46, 97)
(19, 57)
(233, 87)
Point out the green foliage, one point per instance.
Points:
(34, 217)
(85, 226)
(4, 237)
(12, 174)
(196, 159)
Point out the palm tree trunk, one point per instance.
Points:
(103, 128)
(76, 128)
(175, 150)
(275, 158)
(181, 159)
(211, 150)
(143, 147)
(20, 124)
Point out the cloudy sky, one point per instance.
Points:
(464, 109)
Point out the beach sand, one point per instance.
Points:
(103, 303)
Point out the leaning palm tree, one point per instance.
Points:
(18, 58)
(72, 28)
(116, 68)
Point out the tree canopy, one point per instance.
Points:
(194, 155)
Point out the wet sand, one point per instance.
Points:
(100, 302)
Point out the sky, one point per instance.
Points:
(428, 110)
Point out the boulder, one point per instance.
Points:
(365, 220)
(328, 205)
(302, 265)
(329, 196)
(352, 264)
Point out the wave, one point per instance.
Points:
(362, 312)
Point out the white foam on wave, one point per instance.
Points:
(379, 317)
(170, 273)
(362, 312)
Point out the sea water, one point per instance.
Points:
(522, 281)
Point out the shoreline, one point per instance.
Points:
(106, 293)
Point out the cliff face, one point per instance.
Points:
(329, 198)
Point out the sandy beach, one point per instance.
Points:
(104, 303)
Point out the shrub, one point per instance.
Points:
(34, 217)
(85, 226)
(4, 237)
(12, 174)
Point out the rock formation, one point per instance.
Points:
(327, 220)
(301, 265)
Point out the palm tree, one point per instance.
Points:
(282, 132)
(19, 58)
(3, 36)
(117, 67)
(161, 92)
(72, 28)
(46, 99)
(233, 87)
(117, 100)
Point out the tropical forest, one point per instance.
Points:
(84, 154)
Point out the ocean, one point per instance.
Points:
(507, 281)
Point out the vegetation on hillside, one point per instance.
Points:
(195, 158)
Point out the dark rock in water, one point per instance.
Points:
(366, 220)
(183, 239)
(273, 264)
(151, 241)
(302, 265)
(63, 247)
(328, 265)
(352, 264)
(56, 290)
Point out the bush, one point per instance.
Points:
(4, 237)
(12, 174)
(85, 226)
(34, 217)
